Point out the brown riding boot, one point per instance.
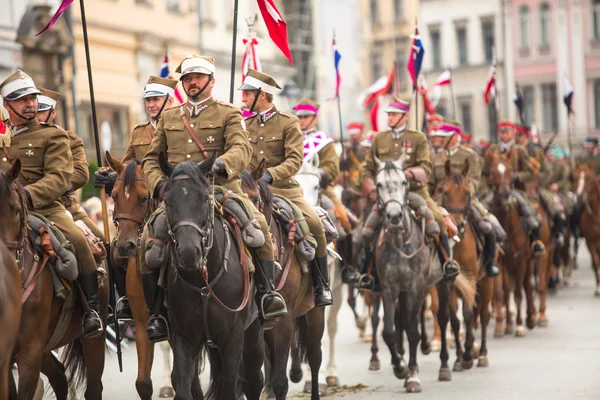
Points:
(92, 324)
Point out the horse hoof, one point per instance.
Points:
(295, 375)
(467, 364)
(436, 346)
(543, 321)
(532, 321)
(520, 331)
(332, 381)
(475, 350)
(368, 338)
(426, 347)
(361, 323)
(445, 375)
(458, 367)
(597, 293)
(361, 333)
(166, 392)
(499, 332)
(483, 362)
(509, 330)
(400, 371)
(374, 365)
(413, 385)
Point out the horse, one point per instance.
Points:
(456, 199)
(588, 191)
(516, 268)
(83, 359)
(209, 291)
(133, 206)
(296, 289)
(10, 283)
(406, 266)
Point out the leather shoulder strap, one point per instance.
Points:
(191, 132)
(148, 132)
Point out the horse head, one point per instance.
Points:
(501, 178)
(13, 209)
(190, 209)
(256, 189)
(132, 205)
(392, 190)
(586, 180)
(456, 189)
(309, 178)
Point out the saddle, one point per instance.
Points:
(292, 220)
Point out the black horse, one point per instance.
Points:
(204, 285)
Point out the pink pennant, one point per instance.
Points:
(63, 6)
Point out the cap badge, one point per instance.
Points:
(21, 74)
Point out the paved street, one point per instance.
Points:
(560, 362)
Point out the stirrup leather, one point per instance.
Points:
(365, 278)
(275, 314)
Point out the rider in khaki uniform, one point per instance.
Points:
(391, 145)
(46, 170)
(276, 137)
(355, 153)
(214, 126)
(523, 173)
(459, 156)
(592, 154)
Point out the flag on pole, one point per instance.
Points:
(490, 87)
(250, 60)
(61, 9)
(276, 26)
(519, 103)
(336, 62)
(444, 79)
(164, 73)
(415, 60)
(5, 131)
(382, 87)
(568, 96)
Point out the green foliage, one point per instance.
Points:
(89, 190)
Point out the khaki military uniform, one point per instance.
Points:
(458, 158)
(139, 142)
(542, 175)
(414, 143)
(46, 171)
(561, 175)
(355, 157)
(78, 180)
(277, 139)
(220, 128)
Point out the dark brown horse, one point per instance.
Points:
(515, 262)
(588, 191)
(302, 318)
(10, 281)
(132, 209)
(456, 200)
(83, 358)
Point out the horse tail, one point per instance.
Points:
(302, 338)
(74, 361)
(467, 288)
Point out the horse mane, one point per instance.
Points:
(5, 187)
(265, 193)
(130, 174)
(188, 168)
(389, 165)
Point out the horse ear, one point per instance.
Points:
(165, 166)
(314, 160)
(14, 171)
(448, 168)
(206, 166)
(114, 163)
(378, 163)
(258, 172)
(399, 163)
(465, 170)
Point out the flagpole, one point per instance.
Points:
(571, 157)
(105, 219)
(233, 50)
(452, 94)
(339, 107)
(496, 103)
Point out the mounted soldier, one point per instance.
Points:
(592, 154)
(193, 132)
(523, 172)
(399, 141)
(459, 156)
(275, 137)
(47, 170)
(355, 153)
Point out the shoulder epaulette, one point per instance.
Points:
(284, 114)
(141, 124)
(224, 103)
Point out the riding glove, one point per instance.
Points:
(105, 179)
(267, 178)
(219, 167)
(160, 189)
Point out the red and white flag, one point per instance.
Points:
(490, 87)
(444, 79)
(251, 59)
(276, 26)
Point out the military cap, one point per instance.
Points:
(157, 87)
(397, 105)
(503, 125)
(355, 128)
(368, 142)
(194, 63)
(447, 128)
(260, 81)
(306, 107)
(466, 138)
(17, 85)
(47, 100)
(591, 141)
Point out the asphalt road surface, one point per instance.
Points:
(558, 362)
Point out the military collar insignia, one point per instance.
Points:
(195, 110)
(21, 129)
(270, 114)
(452, 152)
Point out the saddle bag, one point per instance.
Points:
(288, 213)
(94, 243)
(155, 253)
(331, 231)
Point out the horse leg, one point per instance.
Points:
(296, 367)
(316, 326)
(518, 293)
(196, 388)
(389, 336)
(468, 316)
(94, 353)
(436, 344)
(542, 289)
(498, 301)
(29, 362)
(254, 351)
(374, 364)
(412, 308)
(278, 342)
(55, 372)
(183, 368)
(443, 317)
(166, 390)
(510, 328)
(596, 267)
(333, 310)
(455, 324)
(425, 344)
(485, 301)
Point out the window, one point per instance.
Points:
(376, 65)
(398, 9)
(173, 5)
(488, 40)
(597, 102)
(524, 28)
(465, 115)
(545, 25)
(436, 49)
(113, 122)
(528, 104)
(595, 23)
(374, 7)
(461, 37)
(492, 122)
(549, 107)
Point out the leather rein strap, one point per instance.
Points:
(191, 132)
(129, 217)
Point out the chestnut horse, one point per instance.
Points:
(456, 199)
(84, 358)
(588, 191)
(515, 262)
(132, 210)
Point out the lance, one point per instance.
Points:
(233, 50)
(105, 220)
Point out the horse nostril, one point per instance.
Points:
(130, 246)
(395, 219)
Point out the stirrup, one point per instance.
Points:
(363, 278)
(161, 317)
(450, 277)
(97, 332)
(120, 301)
(275, 314)
(541, 244)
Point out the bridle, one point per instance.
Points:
(141, 222)
(382, 205)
